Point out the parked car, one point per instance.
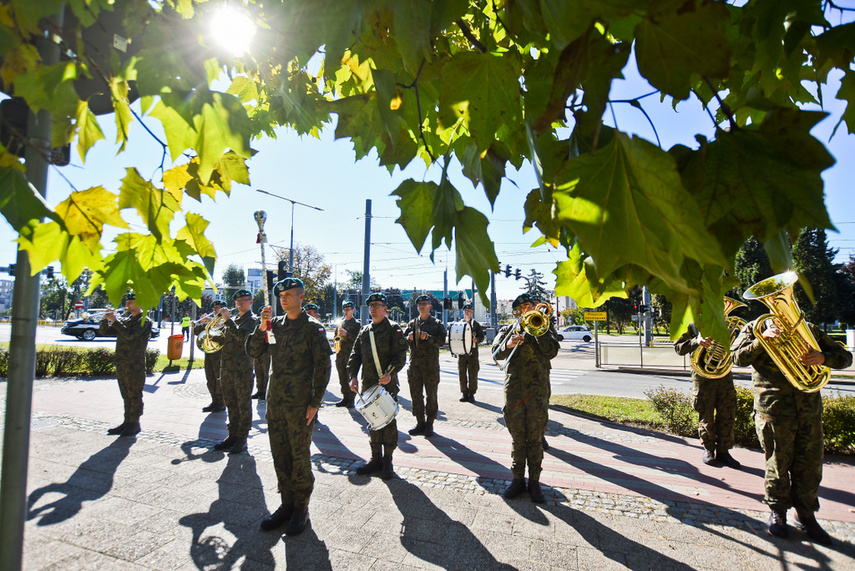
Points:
(575, 333)
(87, 329)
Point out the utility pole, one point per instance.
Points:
(22, 346)
(366, 278)
(493, 321)
(444, 297)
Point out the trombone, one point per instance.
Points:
(535, 322)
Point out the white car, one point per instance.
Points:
(575, 333)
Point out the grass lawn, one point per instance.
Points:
(181, 364)
(633, 412)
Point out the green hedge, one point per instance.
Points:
(74, 362)
(675, 409)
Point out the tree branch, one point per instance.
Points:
(467, 33)
(415, 85)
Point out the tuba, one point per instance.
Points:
(212, 338)
(715, 361)
(796, 337)
(535, 323)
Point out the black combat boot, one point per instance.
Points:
(278, 518)
(298, 520)
(238, 446)
(808, 524)
(515, 489)
(117, 429)
(388, 472)
(226, 444)
(544, 443)
(535, 492)
(209, 408)
(342, 403)
(219, 407)
(419, 429)
(464, 398)
(725, 458)
(778, 524)
(131, 429)
(373, 465)
(709, 458)
(429, 428)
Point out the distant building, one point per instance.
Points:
(6, 287)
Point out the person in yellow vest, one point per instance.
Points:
(185, 326)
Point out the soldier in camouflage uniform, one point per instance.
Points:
(212, 365)
(132, 334)
(468, 364)
(313, 310)
(262, 376)
(236, 372)
(526, 398)
(423, 372)
(789, 424)
(391, 348)
(301, 371)
(715, 402)
(347, 331)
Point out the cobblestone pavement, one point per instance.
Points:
(617, 497)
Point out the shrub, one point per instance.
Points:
(66, 362)
(676, 410)
(744, 432)
(151, 356)
(838, 422)
(4, 362)
(100, 362)
(43, 359)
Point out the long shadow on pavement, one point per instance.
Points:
(429, 534)
(91, 481)
(238, 508)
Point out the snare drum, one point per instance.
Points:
(377, 407)
(460, 338)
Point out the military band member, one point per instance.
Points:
(301, 371)
(715, 402)
(212, 364)
(468, 365)
(789, 424)
(388, 340)
(526, 398)
(132, 334)
(236, 371)
(262, 376)
(346, 332)
(423, 372)
(312, 309)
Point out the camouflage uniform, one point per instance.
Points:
(236, 373)
(212, 369)
(352, 327)
(423, 372)
(132, 335)
(468, 364)
(788, 422)
(391, 350)
(713, 399)
(301, 372)
(262, 374)
(527, 397)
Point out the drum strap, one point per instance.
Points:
(374, 352)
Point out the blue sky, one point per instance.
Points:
(323, 173)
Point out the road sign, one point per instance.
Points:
(78, 305)
(595, 316)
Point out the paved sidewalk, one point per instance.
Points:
(618, 497)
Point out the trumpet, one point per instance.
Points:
(535, 323)
(796, 337)
(213, 337)
(715, 361)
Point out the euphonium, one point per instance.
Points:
(212, 338)
(796, 337)
(535, 323)
(715, 361)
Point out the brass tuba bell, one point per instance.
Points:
(796, 337)
(213, 337)
(715, 361)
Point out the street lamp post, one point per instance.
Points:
(293, 203)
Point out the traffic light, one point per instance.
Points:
(446, 303)
(11, 269)
(508, 271)
(50, 272)
(271, 279)
(642, 308)
(518, 274)
(459, 301)
(283, 270)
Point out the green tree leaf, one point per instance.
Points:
(416, 200)
(88, 130)
(20, 203)
(84, 214)
(194, 234)
(475, 253)
(675, 44)
(156, 207)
